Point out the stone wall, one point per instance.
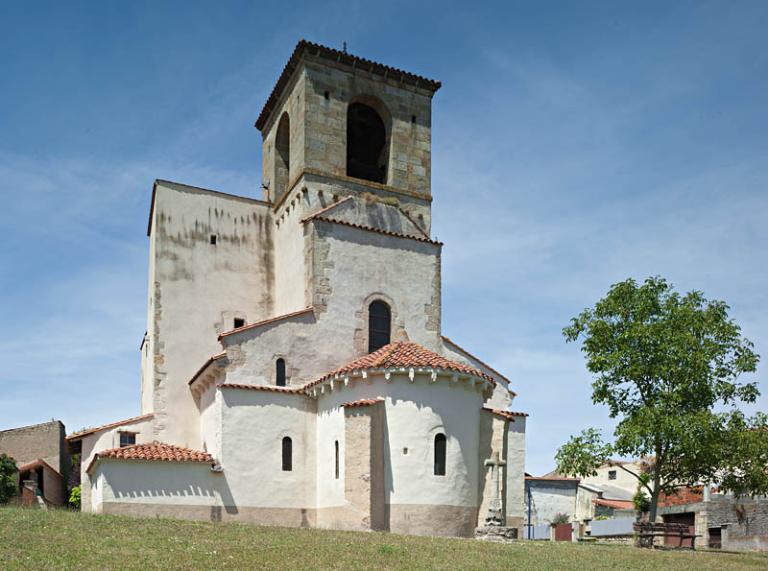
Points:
(44, 441)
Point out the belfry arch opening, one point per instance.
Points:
(367, 148)
(282, 155)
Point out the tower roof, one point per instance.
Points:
(345, 59)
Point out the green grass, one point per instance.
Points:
(33, 539)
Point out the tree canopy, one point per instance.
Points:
(667, 366)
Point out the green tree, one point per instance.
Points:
(74, 498)
(667, 365)
(8, 481)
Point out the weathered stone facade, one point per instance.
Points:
(270, 295)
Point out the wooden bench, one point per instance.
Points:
(647, 533)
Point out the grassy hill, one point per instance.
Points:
(32, 539)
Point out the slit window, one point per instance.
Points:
(280, 372)
(336, 446)
(440, 454)
(379, 325)
(213, 239)
(287, 454)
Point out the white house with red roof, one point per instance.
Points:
(294, 370)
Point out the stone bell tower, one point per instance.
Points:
(349, 126)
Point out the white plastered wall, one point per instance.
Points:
(414, 414)
(156, 483)
(198, 289)
(253, 426)
(105, 440)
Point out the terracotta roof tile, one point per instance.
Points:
(87, 431)
(402, 354)
(508, 414)
(268, 388)
(155, 451)
(479, 360)
(615, 504)
(362, 402)
(39, 463)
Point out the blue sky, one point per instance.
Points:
(575, 145)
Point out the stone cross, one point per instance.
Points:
(495, 515)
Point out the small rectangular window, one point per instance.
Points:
(239, 322)
(127, 439)
(213, 239)
(612, 474)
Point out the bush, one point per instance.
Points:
(561, 518)
(641, 502)
(8, 480)
(74, 498)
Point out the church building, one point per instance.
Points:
(294, 369)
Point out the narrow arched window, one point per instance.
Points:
(280, 372)
(282, 156)
(366, 144)
(336, 446)
(379, 325)
(287, 454)
(440, 454)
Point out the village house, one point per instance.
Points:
(42, 460)
(294, 369)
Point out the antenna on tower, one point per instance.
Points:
(344, 47)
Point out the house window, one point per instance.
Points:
(440, 454)
(127, 439)
(287, 454)
(336, 446)
(238, 322)
(366, 144)
(280, 372)
(213, 239)
(612, 474)
(379, 325)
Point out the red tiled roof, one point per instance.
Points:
(683, 496)
(87, 431)
(155, 451)
(39, 463)
(205, 365)
(341, 57)
(615, 504)
(403, 354)
(268, 388)
(476, 358)
(362, 402)
(267, 321)
(508, 414)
